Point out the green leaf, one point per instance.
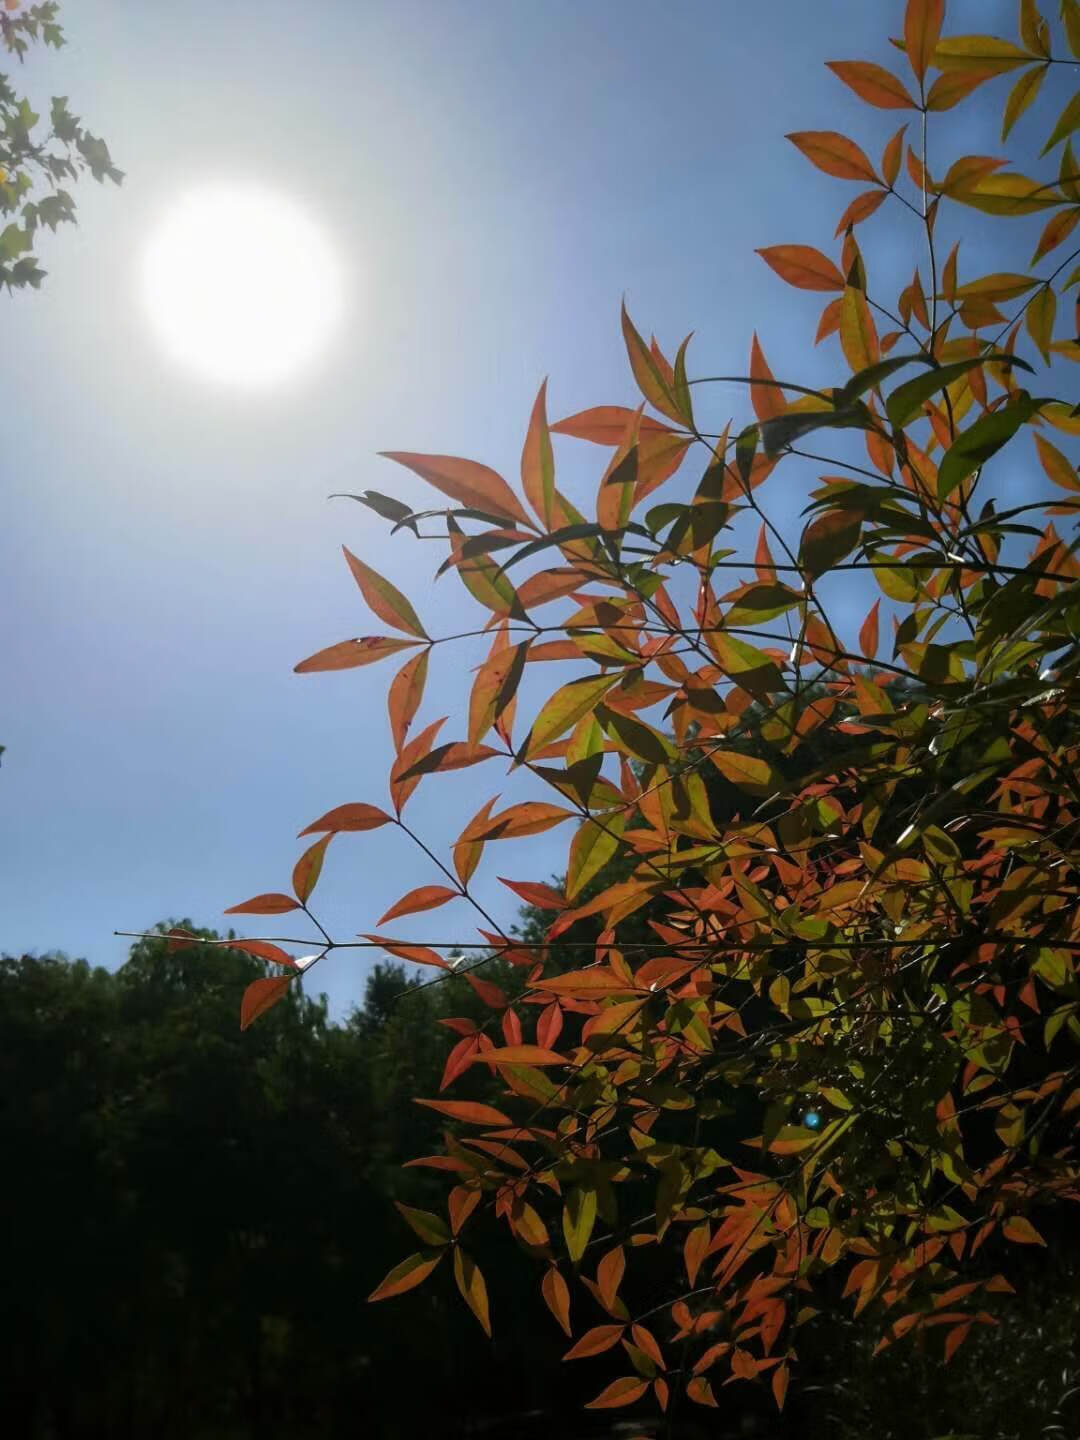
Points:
(565, 708)
(907, 400)
(980, 441)
(579, 1217)
(432, 1229)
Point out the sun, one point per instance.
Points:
(241, 285)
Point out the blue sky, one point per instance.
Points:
(494, 175)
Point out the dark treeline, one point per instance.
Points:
(194, 1217)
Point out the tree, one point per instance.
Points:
(35, 165)
(839, 1057)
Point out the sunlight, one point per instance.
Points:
(240, 285)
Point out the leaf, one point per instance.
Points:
(619, 1392)
(469, 1111)
(868, 632)
(384, 599)
(1010, 194)
(521, 1055)
(405, 694)
(828, 539)
(1039, 318)
(272, 903)
(650, 380)
(767, 399)
(400, 788)
(260, 996)
(579, 1216)
(431, 1229)
(746, 771)
(595, 1341)
(861, 208)
(529, 818)
(1021, 95)
(1057, 466)
(470, 1282)
(748, 667)
(556, 1295)
(476, 486)
(1058, 228)
(542, 897)
(833, 153)
(565, 708)
(406, 1275)
(425, 897)
(780, 1377)
(357, 816)
(979, 442)
(1021, 1230)
(609, 1275)
(419, 954)
(873, 84)
(348, 654)
(908, 399)
(1068, 122)
(803, 266)
(979, 52)
(538, 461)
(858, 337)
(606, 425)
(1004, 286)
(592, 847)
(264, 950)
(308, 868)
(922, 27)
(948, 90)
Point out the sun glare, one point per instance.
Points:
(240, 285)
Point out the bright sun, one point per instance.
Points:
(240, 285)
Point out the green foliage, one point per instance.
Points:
(38, 157)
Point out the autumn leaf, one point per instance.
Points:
(767, 398)
(407, 1275)
(803, 266)
(521, 1055)
(264, 950)
(425, 897)
(357, 816)
(874, 84)
(868, 632)
(431, 1229)
(619, 1392)
(922, 27)
(272, 903)
(858, 337)
(596, 1341)
(470, 1282)
(834, 153)
(556, 1295)
(260, 996)
(475, 486)
(469, 1111)
(1020, 1230)
(308, 868)
(348, 654)
(542, 897)
(538, 462)
(384, 599)
(405, 694)
(530, 818)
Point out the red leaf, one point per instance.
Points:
(460, 1203)
(260, 996)
(767, 400)
(549, 1026)
(475, 486)
(922, 26)
(425, 897)
(833, 153)
(873, 84)
(384, 599)
(405, 694)
(955, 1338)
(868, 634)
(264, 951)
(606, 425)
(803, 266)
(830, 320)
(308, 868)
(468, 1110)
(356, 816)
(401, 789)
(646, 1341)
(530, 818)
(349, 653)
(272, 903)
(521, 1055)
(179, 939)
(459, 1059)
(619, 1392)
(533, 893)
(595, 1341)
(860, 209)
(419, 954)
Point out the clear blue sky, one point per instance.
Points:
(495, 175)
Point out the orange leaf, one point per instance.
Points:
(348, 654)
(404, 1276)
(858, 337)
(424, 897)
(272, 903)
(922, 27)
(609, 1275)
(530, 818)
(595, 1341)
(384, 599)
(645, 1340)
(308, 868)
(763, 560)
(695, 1249)
(780, 1378)
(521, 1055)
(459, 1059)
(860, 209)
(651, 380)
(556, 1295)
(401, 789)
(468, 1110)
(1020, 1230)
(538, 461)
(619, 1392)
(606, 425)
(892, 155)
(260, 996)
(700, 1391)
(1057, 466)
(357, 816)
(533, 893)
(404, 696)
(830, 320)
(949, 89)
(460, 1203)
(833, 153)
(467, 854)
(1058, 228)
(873, 84)
(475, 486)
(264, 950)
(868, 634)
(767, 400)
(471, 1284)
(803, 266)
(418, 954)
(955, 1338)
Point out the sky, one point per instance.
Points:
(493, 176)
